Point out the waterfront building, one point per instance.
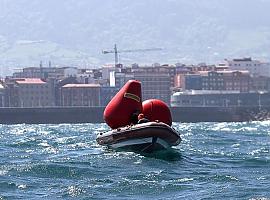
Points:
(122, 78)
(11, 94)
(180, 72)
(190, 77)
(106, 94)
(157, 81)
(260, 83)
(107, 70)
(80, 95)
(29, 92)
(201, 67)
(85, 76)
(46, 72)
(237, 80)
(222, 67)
(2, 95)
(91, 76)
(119, 79)
(201, 98)
(255, 67)
(226, 80)
(192, 82)
(58, 85)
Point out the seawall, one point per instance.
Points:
(51, 115)
(56, 115)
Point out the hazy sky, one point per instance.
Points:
(188, 30)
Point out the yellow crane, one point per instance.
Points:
(116, 52)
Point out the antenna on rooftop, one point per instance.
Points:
(41, 71)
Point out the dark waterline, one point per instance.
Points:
(214, 161)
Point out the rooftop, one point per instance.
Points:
(81, 85)
(242, 59)
(202, 92)
(233, 71)
(224, 72)
(30, 81)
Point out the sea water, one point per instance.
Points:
(213, 161)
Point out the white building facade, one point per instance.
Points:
(255, 67)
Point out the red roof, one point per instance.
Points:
(80, 85)
(30, 81)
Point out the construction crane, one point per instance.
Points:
(116, 52)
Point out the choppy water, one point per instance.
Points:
(214, 161)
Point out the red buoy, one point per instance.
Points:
(127, 101)
(154, 109)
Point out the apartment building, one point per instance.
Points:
(226, 80)
(46, 72)
(261, 83)
(191, 82)
(255, 67)
(29, 92)
(2, 95)
(80, 95)
(106, 94)
(157, 81)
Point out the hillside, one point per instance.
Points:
(76, 31)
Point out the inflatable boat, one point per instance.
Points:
(122, 115)
(145, 137)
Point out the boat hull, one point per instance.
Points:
(146, 137)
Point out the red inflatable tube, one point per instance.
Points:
(123, 105)
(154, 109)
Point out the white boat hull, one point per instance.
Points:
(147, 137)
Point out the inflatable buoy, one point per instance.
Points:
(154, 109)
(123, 105)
